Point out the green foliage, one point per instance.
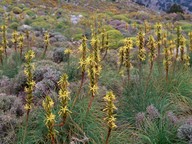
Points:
(11, 66)
(175, 8)
(14, 25)
(30, 12)
(17, 10)
(121, 17)
(115, 37)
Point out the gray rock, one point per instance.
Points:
(24, 28)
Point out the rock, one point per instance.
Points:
(24, 27)
(59, 56)
(76, 18)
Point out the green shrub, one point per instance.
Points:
(14, 25)
(30, 12)
(115, 39)
(17, 10)
(121, 17)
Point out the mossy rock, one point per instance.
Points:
(14, 25)
(115, 39)
(17, 10)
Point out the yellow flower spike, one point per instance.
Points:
(142, 52)
(186, 59)
(179, 30)
(28, 71)
(4, 38)
(64, 97)
(128, 45)
(109, 109)
(158, 29)
(46, 42)
(49, 117)
(182, 47)
(190, 41)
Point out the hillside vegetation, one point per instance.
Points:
(94, 72)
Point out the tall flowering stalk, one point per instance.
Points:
(110, 116)
(146, 26)
(1, 54)
(179, 29)
(167, 60)
(142, 51)
(49, 118)
(96, 57)
(92, 77)
(152, 48)
(4, 39)
(105, 43)
(127, 58)
(159, 37)
(83, 50)
(190, 41)
(15, 39)
(64, 97)
(182, 47)
(21, 43)
(186, 59)
(121, 57)
(46, 42)
(28, 71)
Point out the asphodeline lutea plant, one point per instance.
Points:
(64, 97)
(49, 118)
(172, 47)
(190, 41)
(83, 52)
(15, 39)
(4, 38)
(158, 29)
(28, 71)
(186, 59)
(121, 57)
(106, 47)
(46, 42)
(167, 60)
(92, 74)
(1, 54)
(96, 56)
(127, 55)
(152, 52)
(182, 47)
(21, 43)
(141, 49)
(110, 116)
(179, 29)
(146, 26)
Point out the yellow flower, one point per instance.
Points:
(50, 119)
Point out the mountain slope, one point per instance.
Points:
(164, 5)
